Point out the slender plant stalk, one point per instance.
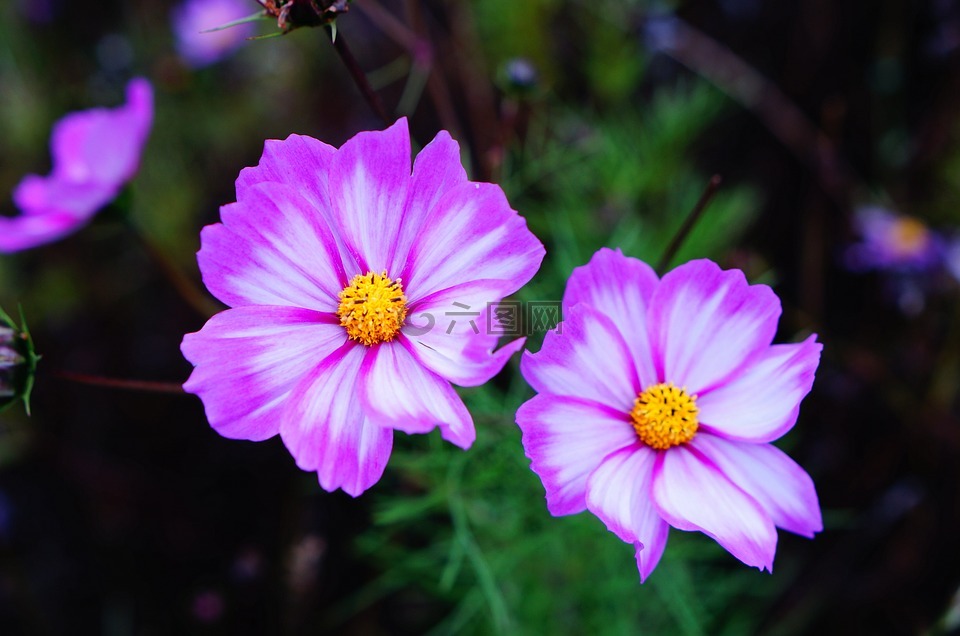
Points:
(688, 224)
(482, 118)
(117, 383)
(416, 39)
(776, 111)
(437, 87)
(359, 77)
(392, 26)
(182, 283)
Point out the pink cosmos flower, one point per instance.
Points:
(95, 152)
(348, 277)
(193, 19)
(658, 401)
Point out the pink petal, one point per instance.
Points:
(705, 323)
(36, 227)
(326, 429)
(566, 439)
(399, 393)
(457, 347)
(94, 153)
(272, 248)
(104, 144)
(618, 492)
(588, 359)
(303, 164)
(298, 161)
(36, 195)
(368, 180)
(691, 493)
(768, 475)
(436, 170)
(619, 287)
(248, 361)
(761, 402)
(472, 234)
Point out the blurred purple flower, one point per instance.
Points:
(193, 19)
(322, 258)
(208, 606)
(893, 241)
(952, 257)
(657, 404)
(95, 152)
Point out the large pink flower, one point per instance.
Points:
(658, 401)
(95, 152)
(348, 277)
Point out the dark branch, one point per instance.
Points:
(712, 186)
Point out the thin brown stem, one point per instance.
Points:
(466, 57)
(183, 284)
(688, 224)
(117, 383)
(437, 87)
(359, 77)
(416, 40)
(389, 24)
(779, 114)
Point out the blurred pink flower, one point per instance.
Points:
(193, 19)
(336, 264)
(657, 403)
(95, 152)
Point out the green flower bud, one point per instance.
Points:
(18, 362)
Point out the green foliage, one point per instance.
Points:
(625, 180)
(472, 531)
(597, 49)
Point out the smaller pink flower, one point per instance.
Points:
(95, 152)
(193, 19)
(657, 403)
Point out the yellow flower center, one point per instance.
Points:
(372, 308)
(909, 235)
(665, 416)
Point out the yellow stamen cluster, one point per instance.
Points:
(665, 416)
(909, 235)
(372, 308)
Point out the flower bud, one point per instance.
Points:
(18, 362)
(291, 14)
(519, 76)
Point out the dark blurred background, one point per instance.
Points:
(122, 512)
